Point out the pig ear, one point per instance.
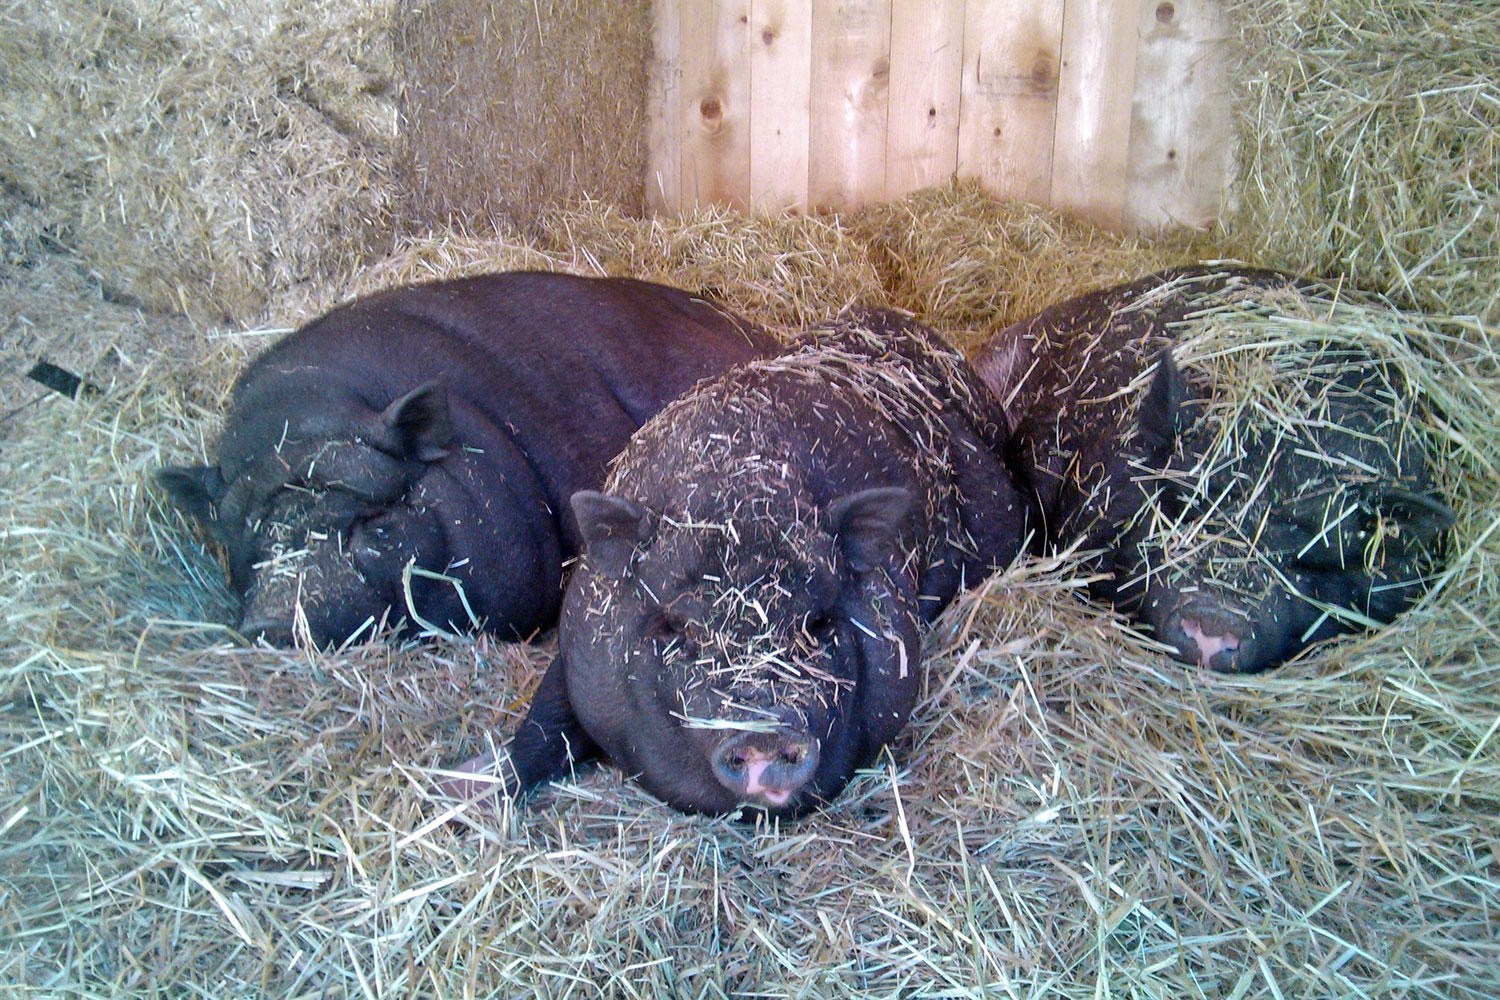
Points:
(1163, 411)
(1002, 366)
(868, 523)
(195, 489)
(611, 527)
(418, 425)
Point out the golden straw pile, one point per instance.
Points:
(1070, 812)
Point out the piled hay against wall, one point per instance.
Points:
(509, 108)
(1070, 813)
(971, 265)
(200, 157)
(195, 155)
(1370, 145)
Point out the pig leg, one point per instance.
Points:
(549, 741)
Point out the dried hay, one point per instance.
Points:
(969, 265)
(509, 108)
(1370, 145)
(195, 155)
(1070, 812)
(201, 157)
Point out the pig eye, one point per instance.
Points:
(665, 628)
(820, 626)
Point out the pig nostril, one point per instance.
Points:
(793, 755)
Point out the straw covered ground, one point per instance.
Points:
(1070, 813)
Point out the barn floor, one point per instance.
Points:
(1070, 813)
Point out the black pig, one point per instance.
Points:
(410, 455)
(745, 625)
(1241, 523)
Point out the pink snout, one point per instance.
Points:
(767, 768)
(1213, 631)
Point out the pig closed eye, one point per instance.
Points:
(822, 626)
(666, 629)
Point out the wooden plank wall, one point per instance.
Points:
(1114, 110)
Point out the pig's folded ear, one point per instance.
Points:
(611, 527)
(194, 489)
(868, 524)
(417, 425)
(1164, 411)
(1002, 366)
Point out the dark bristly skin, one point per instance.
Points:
(440, 427)
(744, 628)
(1240, 538)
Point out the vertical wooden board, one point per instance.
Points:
(848, 94)
(780, 77)
(927, 58)
(715, 95)
(1009, 95)
(664, 108)
(1095, 88)
(1182, 136)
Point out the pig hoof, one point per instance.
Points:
(1216, 638)
(483, 780)
(766, 768)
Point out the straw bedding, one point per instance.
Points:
(1070, 813)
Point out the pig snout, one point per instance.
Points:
(766, 767)
(1216, 637)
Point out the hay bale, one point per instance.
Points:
(1370, 146)
(510, 108)
(195, 155)
(1070, 813)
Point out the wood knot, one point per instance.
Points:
(1043, 72)
(1165, 12)
(711, 109)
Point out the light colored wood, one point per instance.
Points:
(927, 55)
(663, 182)
(780, 81)
(1182, 137)
(715, 104)
(1009, 94)
(1095, 88)
(1115, 110)
(850, 87)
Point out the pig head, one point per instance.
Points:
(1241, 530)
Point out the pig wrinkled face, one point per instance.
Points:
(1260, 535)
(738, 638)
(320, 529)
